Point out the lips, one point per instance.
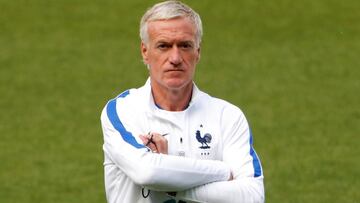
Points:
(174, 70)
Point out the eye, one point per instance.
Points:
(186, 45)
(163, 46)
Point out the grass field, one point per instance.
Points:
(293, 67)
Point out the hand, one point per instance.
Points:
(231, 176)
(156, 142)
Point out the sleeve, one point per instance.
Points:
(155, 171)
(239, 154)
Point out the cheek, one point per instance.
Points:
(193, 56)
(157, 59)
(192, 60)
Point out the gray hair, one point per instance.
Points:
(169, 10)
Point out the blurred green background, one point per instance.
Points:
(293, 67)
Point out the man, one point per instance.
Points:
(168, 141)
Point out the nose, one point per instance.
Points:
(175, 57)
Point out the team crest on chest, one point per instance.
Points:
(203, 139)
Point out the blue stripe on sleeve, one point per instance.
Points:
(116, 122)
(256, 161)
(124, 94)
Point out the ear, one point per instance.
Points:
(198, 54)
(144, 52)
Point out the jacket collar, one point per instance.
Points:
(173, 116)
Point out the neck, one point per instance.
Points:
(172, 99)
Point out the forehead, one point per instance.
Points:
(171, 30)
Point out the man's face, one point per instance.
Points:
(171, 52)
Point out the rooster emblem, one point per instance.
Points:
(203, 140)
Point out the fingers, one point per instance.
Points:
(150, 139)
(160, 142)
(231, 176)
(155, 142)
(148, 143)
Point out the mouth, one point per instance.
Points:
(174, 70)
(174, 73)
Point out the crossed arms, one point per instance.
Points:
(232, 179)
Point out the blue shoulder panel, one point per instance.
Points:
(256, 161)
(116, 122)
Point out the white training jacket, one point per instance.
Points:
(206, 142)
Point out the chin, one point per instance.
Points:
(176, 83)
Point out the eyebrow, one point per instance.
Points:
(180, 42)
(187, 42)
